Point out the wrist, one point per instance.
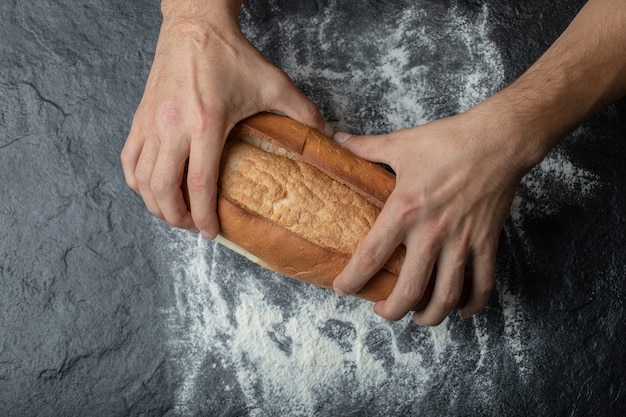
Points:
(521, 140)
(582, 72)
(214, 11)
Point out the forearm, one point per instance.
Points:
(581, 73)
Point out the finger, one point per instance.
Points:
(370, 255)
(428, 292)
(143, 175)
(412, 283)
(370, 147)
(204, 160)
(130, 156)
(482, 282)
(167, 179)
(448, 288)
(290, 101)
(467, 286)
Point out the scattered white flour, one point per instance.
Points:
(290, 379)
(550, 185)
(291, 362)
(513, 314)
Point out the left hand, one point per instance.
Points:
(455, 182)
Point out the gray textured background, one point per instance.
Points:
(106, 311)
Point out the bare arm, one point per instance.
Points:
(581, 73)
(456, 177)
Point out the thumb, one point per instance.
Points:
(294, 104)
(370, 147)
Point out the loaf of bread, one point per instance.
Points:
(297, 203)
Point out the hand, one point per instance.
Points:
(205, 78)
(456, 177)
(455, 183)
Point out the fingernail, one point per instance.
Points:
(341, 137)
(377, 306)
(206, 235)
(339, 292)
(464, 314)
(329, 131)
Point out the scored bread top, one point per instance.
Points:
(267, 170)
(368, 179)
(295, 196)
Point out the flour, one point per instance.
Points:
(551, 184)
(513, 314)
(293, 349)
(405, 71)
(297, 363)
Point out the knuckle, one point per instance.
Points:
(448, 297)
(409, 293)
(175, 219)
(461, 252)
(438, 227)
(483, 289)
(311, 112)
(448, 301)
(197, 182)
(205, 121)
(198, 120)
(489, 247)
(457, 259)
(143, 176)
(407, 207)
(368, 261)
(161, 184)
(126, 156)
(170, 115)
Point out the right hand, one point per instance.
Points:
(205, 78)
(455, 181)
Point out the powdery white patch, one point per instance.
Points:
(194, 284)
(547, 187)
(395, 73)
(290, 379)
(441, 338)
(297, 382)
(515, 339)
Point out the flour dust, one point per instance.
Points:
(287, 348)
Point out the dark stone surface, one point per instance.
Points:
(106, 311)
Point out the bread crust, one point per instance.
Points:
(368, 179)
(285, 252)
(281, 250)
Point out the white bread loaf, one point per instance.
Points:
(297, 203)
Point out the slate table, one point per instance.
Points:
(105, 311)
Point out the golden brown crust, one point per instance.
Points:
(296, 196)
(367, 178)
(246, 221)
(287, 253)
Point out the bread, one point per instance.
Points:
(297, 203)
